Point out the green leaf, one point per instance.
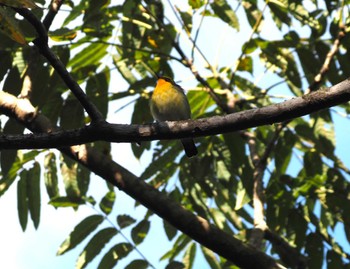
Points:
(283, 151)
(248, 87)
(7, 180)
(124, 69)
(125, 221)
(281, 61)
(69, 174)
(314, 249)
(97, 90)
(91, 55)
(334, 260)
(199, 101)
(223, 172)
(186, 17)
(170, 231)
(115, 254)
(94, 247)
(72, 107)
(50, 175)
(65, 201)
(63, 34)
(280, 13)
(137, 264)
(83, 178)
(22, 200)
(299, 225)
(210, 258)
(19, 3)
(324, 132)
(53, 106)
(225, 205)
(195, 4)
(246, 64)
(162, 162)
(6, 63)
(141, 115)
(313, 164)
(140, 231)
(9, 26)
(236, 146)
(8, 157)
(33, 192)
(252, 12)
(80, 232)
(309, 62)
(242, 197)
(107, 202)
(181, 242)
(190, 254)
(175, 265)
(222, 9)
(78, 10)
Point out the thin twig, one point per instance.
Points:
(194, 46)
(53, 9)
(198, 29)
(330, 55)
(255, 28)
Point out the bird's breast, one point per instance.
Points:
(169, 105)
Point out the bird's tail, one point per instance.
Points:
(189, 146)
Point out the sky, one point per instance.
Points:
(34, 249)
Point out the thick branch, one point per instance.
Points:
(196, 227)
(287, 110)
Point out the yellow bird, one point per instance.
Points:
(169, 103)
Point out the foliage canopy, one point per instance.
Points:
(280, 188)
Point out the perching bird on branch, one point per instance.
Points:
(169, 103)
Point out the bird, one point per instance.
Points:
(169, 103)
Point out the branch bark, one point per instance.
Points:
(287, 110)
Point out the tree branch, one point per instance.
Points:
(32, 62)
(55, 5)
(42, 44)
(287, 110)
(258, 194)
(330, 55)
(196, 227)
